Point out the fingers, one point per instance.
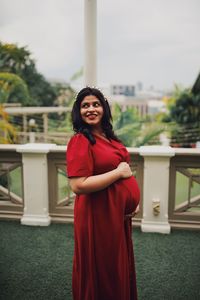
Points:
(137, 209)
(128, 216)
(125, 170)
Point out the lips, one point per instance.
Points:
(91, 116)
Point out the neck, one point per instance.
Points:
(97, 131)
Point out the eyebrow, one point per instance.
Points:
(92, 101)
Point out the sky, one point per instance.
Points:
(156, 42)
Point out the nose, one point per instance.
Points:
(90, 107)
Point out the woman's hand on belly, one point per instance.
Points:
(125, 170)
(135, 212)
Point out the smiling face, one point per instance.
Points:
(91, 111)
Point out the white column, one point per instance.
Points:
(35, 182)
(156, 188)
(90, 28)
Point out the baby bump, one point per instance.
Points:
(130, 193)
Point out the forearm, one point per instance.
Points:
(94, 183)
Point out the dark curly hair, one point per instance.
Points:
(79, 126)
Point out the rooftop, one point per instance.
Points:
(36, 263)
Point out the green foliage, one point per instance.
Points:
(14, 59)
(149, 134)
(65, 94)
(132, 130)
(183, 107)
(17, 60)
(61, 124)
(7, 131)
(13, 89)
(187, 109)
(184, 112)
(129, 133)
(124, 124)
(41, 91)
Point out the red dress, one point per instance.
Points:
(103, 267)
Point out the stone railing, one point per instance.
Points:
(34, 187)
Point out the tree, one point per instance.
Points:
(13, 89)
(132, 130)
(14, 59)
(18, 60)
(65, 94)
(184, 112)
(7, 131)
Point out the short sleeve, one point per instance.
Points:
(127, 157)
(79, 157)
(125, 153)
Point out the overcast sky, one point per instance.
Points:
(156, 42)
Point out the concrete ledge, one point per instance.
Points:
(35, 220)
(159, 227)
(156, 151)
(35, 148)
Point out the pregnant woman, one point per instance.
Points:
(107, 196)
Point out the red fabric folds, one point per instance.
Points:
(103, 267)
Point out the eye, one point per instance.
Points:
(84, 105)
(97, 104)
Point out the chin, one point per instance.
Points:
(92, 123)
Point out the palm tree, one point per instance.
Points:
(13, 89)
(132, 130)
(7, 131)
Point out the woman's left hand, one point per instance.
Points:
(133, 213)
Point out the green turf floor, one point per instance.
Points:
(36, 263)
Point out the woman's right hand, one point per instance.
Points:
(95, 183)
(124, 170)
